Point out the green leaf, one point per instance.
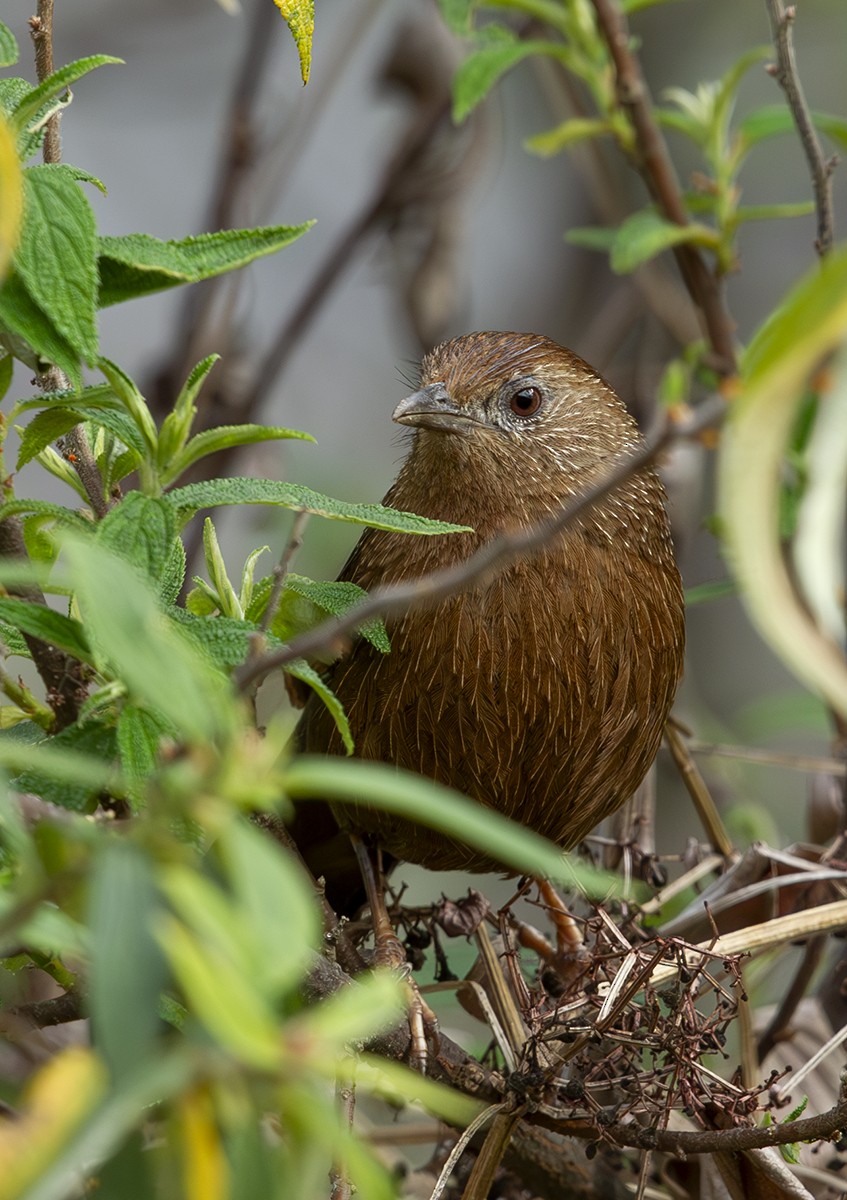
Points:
(212, 492)
(50, 626)
(7, 368)
(54, 85)
(13, 641)
(228, 602)
(176, 426)
(127, 971)
(222, 997)
(421, 800)
(14, 508)
(632, 6)
(575, 129)
(730, 81)
(53, 422)
(645, 234)
(457, 14)
(72, 769)
(174, 574)
(299, 16)
(137, 265)
(770, 212)
(148, 653)
(142, 531)
(139, 736)
(28, 333)
(267, 883)
(225, 640)
(324, 599)
(9, 52)
(300, 669)
(703, 593)
(772, 120)
(478, 73)
(791, 344)
(132, 400)
(56, 256)
(592, 237)
(210, 441)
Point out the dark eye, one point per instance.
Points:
(526, 402)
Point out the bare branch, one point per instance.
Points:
(488, 560)
(656, 169)
(41, 32)
(785, 73)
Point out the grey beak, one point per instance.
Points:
(433, 408)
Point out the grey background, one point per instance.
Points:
(152, 131)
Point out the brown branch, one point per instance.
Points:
(785, 73)
(63, 677)
(492, 557)
(656, 169)
(58, 1010)
(41, 32)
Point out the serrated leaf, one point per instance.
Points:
(7, 368)
(480, 71)
(28, 333)
(141, 530)
(173, 576)
(299, 16)
(15, 508)
(326, 598)
(9, 52)
(225, 640)
(52, 423)
(237, 490)
(300, 669)
(137, 265)
(645, 234)
(13, 641)
(576, 129)
(130, 397)
(71, 769)
(222, 437)
(50, 626)
(139, 735)
(54, 85)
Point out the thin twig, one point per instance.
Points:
(480, 1120)
(771, 758)
(494, 556)
(656, 169)
(699, 793)
(341, 1186)
(785, 73)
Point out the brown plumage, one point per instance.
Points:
(541, 693)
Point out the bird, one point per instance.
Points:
(541, 692)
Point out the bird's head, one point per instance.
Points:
(515, 406)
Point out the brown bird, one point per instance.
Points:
(543, 691)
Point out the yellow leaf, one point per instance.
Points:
(11, 196)
(299, 16)
(205, 1169)
(59, 1098)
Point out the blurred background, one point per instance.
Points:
(425, 230)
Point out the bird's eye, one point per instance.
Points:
(526, 402)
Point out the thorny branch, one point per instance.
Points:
(786, 75)
(656, 168)
(490, 558)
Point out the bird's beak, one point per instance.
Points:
(433, 408)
